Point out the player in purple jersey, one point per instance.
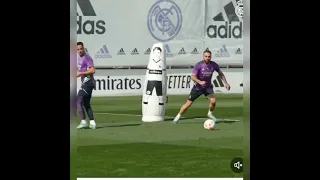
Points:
(202, 75)
(85, 71)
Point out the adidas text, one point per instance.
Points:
(90, 26)
(223, 55)
(102, 56)
(227, 30)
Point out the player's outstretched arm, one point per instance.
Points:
(222, 76)
(224, 79)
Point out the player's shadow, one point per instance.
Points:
(118, 125)
(226, 122)
(168, 119)
(184, 118)
(200, 120)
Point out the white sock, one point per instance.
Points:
(178, 115)
(83, 122)
(210, 112)
(92, 122)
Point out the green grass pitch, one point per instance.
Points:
(124, 146)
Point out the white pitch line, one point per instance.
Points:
(226, 120)
(230, 120)
(139, 115)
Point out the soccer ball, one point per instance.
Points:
(209, 124)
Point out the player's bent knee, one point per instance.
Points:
(212, 100)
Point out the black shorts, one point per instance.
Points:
(195, 93)
(86, 90)
(154, 85)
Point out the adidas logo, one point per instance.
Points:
(217, 82)
(135, 52)
(223, 26)
(238, 51)
(103, 53)
(168, 51)
(195, 51)
(121, 52)
(182, 51)
(223, 52)
(88, 26)
(86, 8)
(148, 51)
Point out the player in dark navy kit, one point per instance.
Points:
(86, 71)
(202, 76)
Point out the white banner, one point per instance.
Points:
(114, 38)
(177, 84)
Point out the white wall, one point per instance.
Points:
(113, 29)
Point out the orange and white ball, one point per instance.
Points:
(209, 124)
